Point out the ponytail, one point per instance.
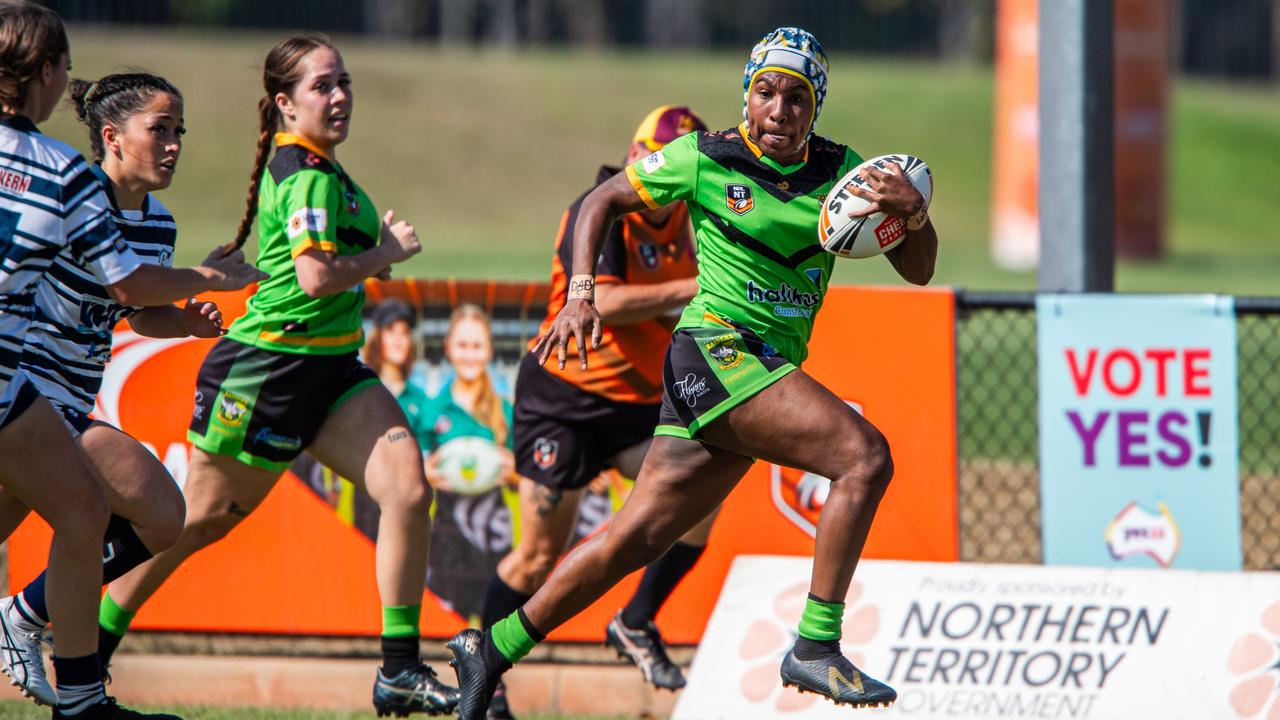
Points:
(268, 121)
(113, 100)
(281, 73)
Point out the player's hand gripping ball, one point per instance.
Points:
(877, 233)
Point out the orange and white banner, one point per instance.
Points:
(969, 641)
(295, 566)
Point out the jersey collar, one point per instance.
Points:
(755, 150)
(286, 138)
(21, 123)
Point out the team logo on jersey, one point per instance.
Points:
(443, 424)
(312, 159)
(232, 408)
(545, 452)
(649, 255)
(724, 349)
(307, 220)
(738, 198)
(353, 203)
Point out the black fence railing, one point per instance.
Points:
(997, 427)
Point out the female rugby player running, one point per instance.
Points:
(733, 390)
(287, 378)
(50, 202)
(135, 130)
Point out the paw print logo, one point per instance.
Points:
(1255, 658)
(769, 639)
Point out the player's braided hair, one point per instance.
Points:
(488, 409)
(281, 73)
(113, 100)
(30, 36)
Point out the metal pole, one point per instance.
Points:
(1077, 158)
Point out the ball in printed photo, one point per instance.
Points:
(472, 465)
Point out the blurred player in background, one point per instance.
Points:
(389, 350)
(733, 390)
(287, 376)
(570, 425)
(52, 202)
(135, 130)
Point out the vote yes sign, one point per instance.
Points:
(1138, 436)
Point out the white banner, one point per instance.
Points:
(959, 640)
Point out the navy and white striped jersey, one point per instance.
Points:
(49, 201)
(69, 341)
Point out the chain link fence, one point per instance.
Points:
(997, 426)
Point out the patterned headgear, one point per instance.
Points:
(792, 51)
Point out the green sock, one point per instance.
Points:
(401, 620)
(821, 620)
(511, 638)
(113, 618)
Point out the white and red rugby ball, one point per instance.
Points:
(875, 234)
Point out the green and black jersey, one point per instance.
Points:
(760, 265)
(306, 201)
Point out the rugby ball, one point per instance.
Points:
(472, 465)
(875, 234)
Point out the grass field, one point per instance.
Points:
(482, 149)
(25, 710)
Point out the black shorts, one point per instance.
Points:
(564, 436)
(76, 421)
(711, 370)
(264, 407)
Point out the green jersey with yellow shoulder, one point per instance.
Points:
(306, 201)
(760, 265)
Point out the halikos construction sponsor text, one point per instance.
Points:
(787, 300)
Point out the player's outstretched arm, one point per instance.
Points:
(155, 285)
(323, 273)
(625, 303)
(194, 319)
(579, 319)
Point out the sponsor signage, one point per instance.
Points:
(971, 641)
(305, 540)
(1138, 434)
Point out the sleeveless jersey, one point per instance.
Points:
(69, 342)
(306, 201)
(760, 263)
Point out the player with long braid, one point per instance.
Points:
(287, 377)
(733, 388)
(135, 124)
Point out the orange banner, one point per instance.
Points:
(294, 567)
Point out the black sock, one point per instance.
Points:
(122, 549)
(79, 683)
(807, 649)
(500, 600)
(399, 654)
(107, 644)
(493, 657)
(659, 581)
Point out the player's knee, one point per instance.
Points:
(81, 518)
(166, 527)
(874, 466)
(534, 563)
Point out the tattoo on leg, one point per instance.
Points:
(236, 510)
(547, 500)
(395, 435)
